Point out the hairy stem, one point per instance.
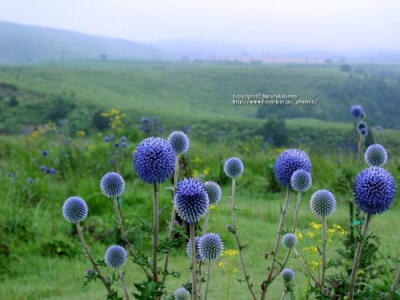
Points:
(172, 222)
(357, 255)
(193, 261)
(155, 232)
(208, 279)
(125, 237)
(238, 244)
(323, 251)
(296, 211)
(267, 281)
(123, 284)
(106, 282)
(395, 285)
(306, 268)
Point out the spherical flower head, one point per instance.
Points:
(44, 153)
(182, 294)
(301, 180)
(288, 162)
(154, 160)
(323, 203)
(210, 246)
(191, 200)
(123, 139)
(115, 256)
(112, 185)
(74, 209)
(43, 169)
(233, 167)
(374, 190)
(107, 139)
(364, 131)
(375, 155)
(213, 191)
(288, 275)
(356, 111)
(179, 142)
(289, 240)
(189, 249)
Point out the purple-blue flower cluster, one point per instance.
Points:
(189, 249)
(233, 167)
(288, 162)
(357, 111)
(210, 246)
(154, 160)
(112, 185)
(115, 256)
(191, 200)
(74, 209)
(179, 142)
(374, 190)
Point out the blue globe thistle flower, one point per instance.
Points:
(233, 167)
(356, 111)
(288, 162)
(374, 190)
(116, 145)
(44, 153)
(124, 144)
(362, 128)
(51, 171)
(115, 256)
(154, 160)
(179, 142)
(375, 155)
(189, 249)
(213, 191)
(364, 131)
(301, 180)
(323, 203)
(74, 209)
(191, 200)
(288, 275)
(107, 138)
(123, 139)
(89, 273)
(289, 240)
(43, 169)
(182, 294)
(112, 185)
(144, 120)
(210, 246)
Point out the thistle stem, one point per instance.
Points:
(193, 262)
(155, 232)
(123, 284)
(205, 224)
(324, 241)
(283, 293)
(208, 279)
(296, 211)
(357, 255)
(106, 283)
(125, 237)
(395, 285)
(268, 280)
(172, 222)
(238, 244)
(305, 267)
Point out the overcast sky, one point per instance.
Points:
(324, 24)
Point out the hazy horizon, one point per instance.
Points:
(306, 25)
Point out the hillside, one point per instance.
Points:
(27, 44)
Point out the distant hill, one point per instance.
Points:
(27, 44)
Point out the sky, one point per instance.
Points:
(312, 24)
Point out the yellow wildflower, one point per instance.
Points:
(195, 174)
(234, 270)
(230, 252)
(330, 231)
(206, 171)
(299, 236)
(310, 234)
(315, 225)
(212, 207)
(315, 264)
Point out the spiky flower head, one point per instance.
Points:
(191, 200)
(182, 294)
(356, 111)
(210, 246)
(301, 180)
(179, 142)
(288, 275)
(289, 240)
(213, 191)
(233, 167)
(154, 160)
(74, 209)
(189, 249)
(112, 185)
(375, 155)
(115, 256)
(288, 162)
(374, 190)
(364, 131)
(323, 203)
